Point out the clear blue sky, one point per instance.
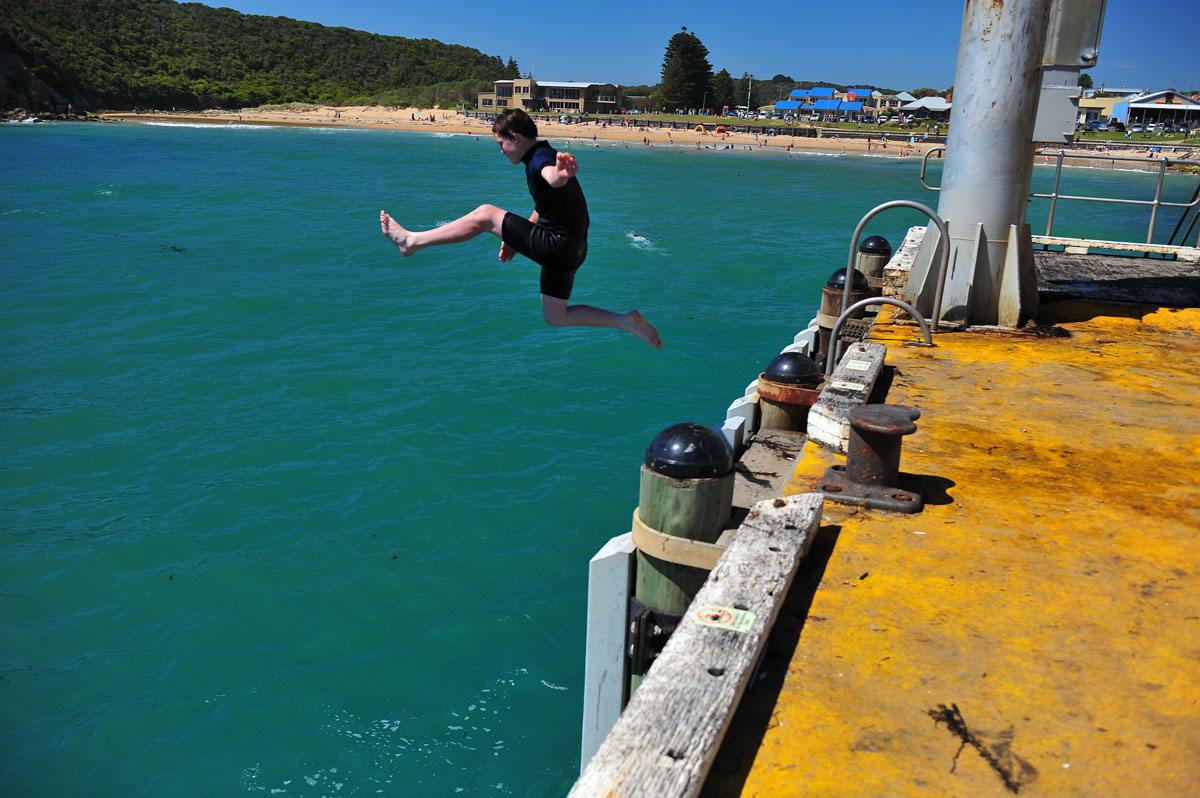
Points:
(902, 44)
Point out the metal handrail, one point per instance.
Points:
(1154, 204)
(862, 303)
(925, 163)
(1054, 196)
(945, 245)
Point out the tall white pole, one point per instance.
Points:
(989, 154)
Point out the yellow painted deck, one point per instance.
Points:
(1036, 630)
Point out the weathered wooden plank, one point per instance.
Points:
(1118, 278)
(1191, 254)
(849, 387)
(667, 737)
(766, 466)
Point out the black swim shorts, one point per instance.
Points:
(557, 254)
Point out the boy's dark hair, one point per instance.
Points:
(514, 120)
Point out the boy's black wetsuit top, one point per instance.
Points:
(558, 241)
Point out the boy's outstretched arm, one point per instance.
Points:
(565, 167)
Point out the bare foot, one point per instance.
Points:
(396, 234)
(644, 329)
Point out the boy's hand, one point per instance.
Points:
(506, 252)
(567, 165)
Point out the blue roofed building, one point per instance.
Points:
(821, 92)
(858, 95)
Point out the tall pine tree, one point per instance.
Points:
(686, 74)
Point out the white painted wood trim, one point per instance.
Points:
(610, 583)
(848, 387)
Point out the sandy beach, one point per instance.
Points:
(435, 120)
(428, 120)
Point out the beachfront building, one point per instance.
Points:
(824, 103)
(1158, 108)
(927, 108)
(864, 96)
(553, 96)
(1098, 105)
(1097, 109)
(889, 103)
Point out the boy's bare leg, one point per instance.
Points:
(484, 219)
(557, 312)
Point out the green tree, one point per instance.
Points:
(1085, 80)
(925, 91)
(747, 90)
(121, 54)
(686, 73)
(511, 71)
(722, 88)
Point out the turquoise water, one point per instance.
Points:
(282, 512)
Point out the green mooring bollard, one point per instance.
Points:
(687, 493)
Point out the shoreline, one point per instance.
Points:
(426, 120)
(418, 120)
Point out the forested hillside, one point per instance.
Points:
(125, 54)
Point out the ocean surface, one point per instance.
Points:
(282, 512)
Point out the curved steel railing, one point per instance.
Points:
(925, 164)
(945, 246)
(873, 300)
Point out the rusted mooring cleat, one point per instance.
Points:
(871, 475)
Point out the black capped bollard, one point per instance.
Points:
(873, 254)
(831, 302)
(686, 494)
(787, 388)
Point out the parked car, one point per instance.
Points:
(1099, 127)
(1136, 128)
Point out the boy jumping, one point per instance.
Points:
(554, 236)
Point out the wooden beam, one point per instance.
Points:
(1084, 245)
(667, 737)
(849, 387)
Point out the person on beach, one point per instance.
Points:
(554, 236)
